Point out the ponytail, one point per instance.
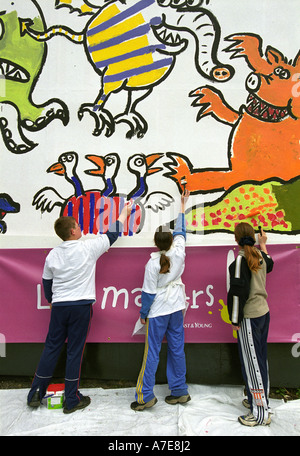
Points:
(245, 236)
(253, 258)
(163, 240)
(164, 263)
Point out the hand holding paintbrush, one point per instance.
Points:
(262, 239)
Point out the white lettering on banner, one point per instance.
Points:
(137, 300)
(210, 303)
(116, 294)
(39, 298)
(195, 294)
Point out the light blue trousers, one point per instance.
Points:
(172, 326)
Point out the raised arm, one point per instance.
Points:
(115, 229)
(180, 222)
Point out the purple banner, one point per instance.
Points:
(25, 313)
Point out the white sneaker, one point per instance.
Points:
(250, 420)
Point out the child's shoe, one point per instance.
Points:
(178, 399)
(139, 407)
(250, 420)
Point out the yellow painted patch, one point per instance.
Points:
(225, 316)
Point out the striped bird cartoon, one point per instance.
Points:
(132, 45)
(94, 210)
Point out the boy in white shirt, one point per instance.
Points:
(69, 286)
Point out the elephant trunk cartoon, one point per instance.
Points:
(204, 27)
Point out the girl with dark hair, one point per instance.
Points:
(249, 314)
(162, 312)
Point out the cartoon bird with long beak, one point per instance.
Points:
(111, 202)
(47, 198)
(66, 166)
(93, 210)
(142, 166)
(107, 168)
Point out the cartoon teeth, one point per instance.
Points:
(12, 71)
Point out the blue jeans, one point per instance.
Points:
(172, 326)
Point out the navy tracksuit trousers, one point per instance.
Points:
(156, 328)
(67, 322)
(252, 343)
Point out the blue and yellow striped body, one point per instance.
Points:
(119, 45)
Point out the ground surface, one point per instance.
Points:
(212, 411)
(10, 382)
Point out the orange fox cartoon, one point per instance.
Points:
(264, 141)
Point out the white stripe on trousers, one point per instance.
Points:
(236, 299)
(260, 407)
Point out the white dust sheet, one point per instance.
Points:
(212, 411)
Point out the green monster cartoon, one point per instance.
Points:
(21, 62)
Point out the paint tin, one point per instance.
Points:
(55, 396)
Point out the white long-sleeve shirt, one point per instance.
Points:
(71, 266)
(164, 293)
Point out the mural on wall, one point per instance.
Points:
(263, 145)
(7, 206)
(96, 210)
(97, 107)
(133, 47)
(22, 60)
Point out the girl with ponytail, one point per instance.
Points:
(163, 307)
(163, 240)
(249, 314)
(245, 237)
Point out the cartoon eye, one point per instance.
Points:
(110, 161)
(138, 162)
(285, 74)
(277, 71)
(282, 73)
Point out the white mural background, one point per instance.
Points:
(172, 125)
